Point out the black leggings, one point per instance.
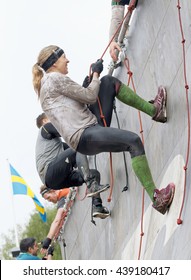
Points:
(97, 139)
(60, 173)
(107, 94)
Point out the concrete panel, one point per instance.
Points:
(155, 53)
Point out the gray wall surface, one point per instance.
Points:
(155, 52)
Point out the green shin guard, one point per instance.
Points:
(129, 97)
(142, 171)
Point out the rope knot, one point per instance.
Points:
(183, 41)
(185, 167)
(178, 6)
(130, 73)
(142, 233)
(186, 87)
(179, 221)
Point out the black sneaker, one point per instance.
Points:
(100, 212)
(95, 188)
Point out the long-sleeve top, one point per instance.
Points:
(49, 145)
(65, 103)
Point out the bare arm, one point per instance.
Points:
(55, 224)
(53, 229)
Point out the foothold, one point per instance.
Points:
(179, 221)
(125, 189)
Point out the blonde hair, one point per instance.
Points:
(37, 71)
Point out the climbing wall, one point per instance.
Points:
(158, 52)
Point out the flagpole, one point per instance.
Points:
(13, 206)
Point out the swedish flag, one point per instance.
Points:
(20, 187)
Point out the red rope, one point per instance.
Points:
(179, 220)
(131, 7)
(110, 155)
(130, 79)
(142, 232)
(130, 10)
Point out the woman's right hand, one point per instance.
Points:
(114, 48)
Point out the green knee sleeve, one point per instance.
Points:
(143, 173)
(129, 97)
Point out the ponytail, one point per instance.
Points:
(37, 72)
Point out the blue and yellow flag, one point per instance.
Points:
(20, 187)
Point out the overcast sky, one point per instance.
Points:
(81, 28)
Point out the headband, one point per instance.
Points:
(45, 191)
(52, 59)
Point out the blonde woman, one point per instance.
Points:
(65, 102)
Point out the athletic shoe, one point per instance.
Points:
(160, 103)
(163, 198)
(95, 188)
(100, 212)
